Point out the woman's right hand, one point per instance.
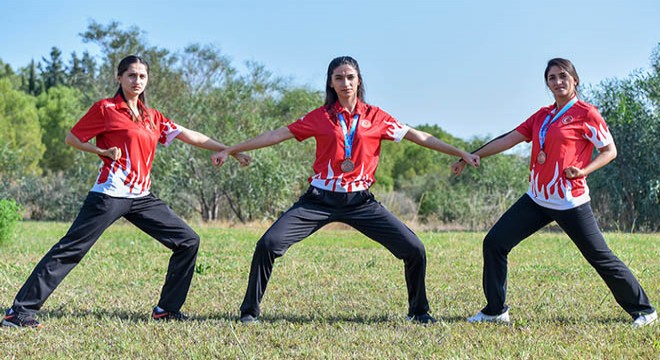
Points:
(113, 153)
(472, 159)
(458, 167)
(467, 158)
(220, 157)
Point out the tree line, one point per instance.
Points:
(200, 88)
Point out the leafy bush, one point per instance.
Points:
(51, 197)
(10, 215)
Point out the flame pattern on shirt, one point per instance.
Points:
(599, 137)
(569, 143)
(123, 180)
(110, 122)
(337, 184)
(375, 126)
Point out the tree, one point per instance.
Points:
(32, 82)
(59, 108)
(6, 70)
(21, 133)
(627, 191)
(81, 74)
(54, 73)
(235, 107)
(116, 44)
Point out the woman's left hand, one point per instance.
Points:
(573, 172)
(243, 158)
(219, 158)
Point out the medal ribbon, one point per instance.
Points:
(547, 122)
(348, 136)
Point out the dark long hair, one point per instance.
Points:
(143, 107)
(565, 65)
(330, 93)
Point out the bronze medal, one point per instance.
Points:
(347, 165)
(541, 157)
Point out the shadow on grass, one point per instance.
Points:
(142, 317)
(100, 314)
(562, 320)
(123, 315)
(327, 319)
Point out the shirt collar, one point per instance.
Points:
(360, 108)
(553, 107)
(119, 102)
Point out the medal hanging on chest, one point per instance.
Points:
(348, 165)
(542, 156)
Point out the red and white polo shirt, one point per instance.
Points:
(569, 141)
(373, 126)
(110, 122)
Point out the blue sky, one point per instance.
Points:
(471, 67)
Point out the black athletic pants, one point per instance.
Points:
(526, 217)
(360, 210)
(98, 212)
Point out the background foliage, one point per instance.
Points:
(10, 215)
(198, 87)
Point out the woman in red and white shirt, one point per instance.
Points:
(127, 132)
(563, 137)
(348, 134)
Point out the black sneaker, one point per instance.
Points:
(165, 315)
(422, 319)
(248, 319)
(13, 319)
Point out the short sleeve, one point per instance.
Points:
(595, 129)
(395, 130)
(91, 124)
(305, 127)
(168, 129)
(527, 128)
(392, 129)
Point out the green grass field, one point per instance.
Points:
(336, 295)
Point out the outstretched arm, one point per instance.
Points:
(495, 146)
(200, 140)
(427, 140)
(114, 152)
(266, 139)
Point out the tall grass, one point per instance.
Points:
(336, 295)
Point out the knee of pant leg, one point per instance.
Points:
(195, 241)
(271, 245)
(191, 243)
(266, 243)
(418, 251)
(491, 242)
(66, 254)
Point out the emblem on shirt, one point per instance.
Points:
(567, 119)
(365, 123)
